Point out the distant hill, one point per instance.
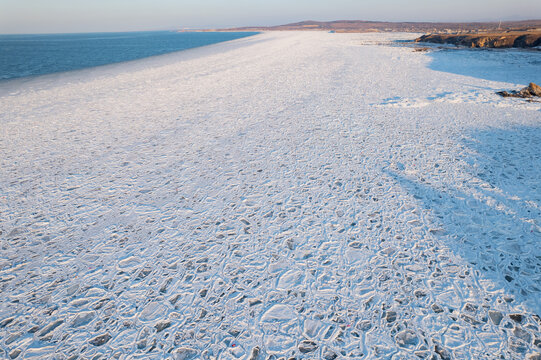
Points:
(381, 26)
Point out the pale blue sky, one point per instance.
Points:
(42, 16)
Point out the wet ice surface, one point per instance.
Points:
(267, 200)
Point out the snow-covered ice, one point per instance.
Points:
(304, 194)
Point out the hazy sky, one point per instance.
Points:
(42, 16)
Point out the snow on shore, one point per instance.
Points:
(305, 195)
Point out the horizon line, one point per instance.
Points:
(209, 28)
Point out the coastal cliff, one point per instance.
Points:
(493, 40)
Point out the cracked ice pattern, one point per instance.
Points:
(263, 199)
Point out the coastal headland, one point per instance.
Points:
(509, 39)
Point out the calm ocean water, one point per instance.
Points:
(29, 55)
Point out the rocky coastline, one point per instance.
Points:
(492, 40)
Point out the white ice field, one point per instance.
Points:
(290, 195)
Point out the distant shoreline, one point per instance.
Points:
(508, 34)
(359, 26)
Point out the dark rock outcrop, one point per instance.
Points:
(495, 40)
(527, 92)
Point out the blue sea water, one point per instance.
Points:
(30, 55)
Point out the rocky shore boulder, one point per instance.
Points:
(527, 92)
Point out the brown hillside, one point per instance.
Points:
(424, 27)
